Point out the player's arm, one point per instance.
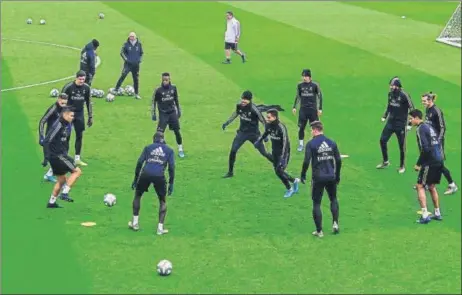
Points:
(67, 89)
(171, 168)
(319, 97)
(50, 136)
(123, 53)
(262, 137)
(89, 106)
(230, 119)
(423, 135)
(441, 123)
(177, 102)
(139, 163)
(387, 110)
(338, 163)
(91, 58)
(238, 31)
(297, 99)
(43, 121)
(141, 51)
(285, 143)
(259, 114)
(155, 97)
(410, 107)
(306, 162)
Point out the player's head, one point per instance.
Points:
(158, 137)
(80, 78)
(165, 79)
(68, 114)
(62, 99)
(428, 99)
(229, 15)
(395, 84)
(246, 98)
(317, 128)
(132, 36)
(415, 117)
(306, 75)
(272, 115)
(95, 43)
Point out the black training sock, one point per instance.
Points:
(447, 175)
(136, 204)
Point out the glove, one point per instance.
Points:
(154, 118)
(41, 140)
(266, 139)
(408, 127)
(303, 179)
(90, 122)
(337, 180)
(134, 184)
(45, 162)
(170, 189)
(223, 126)
(179, 113)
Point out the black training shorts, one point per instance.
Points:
(306, 115)
(61, 164)
(159, 183)
(170, 119)
(429, 175)
(230, 45)
(79, 122)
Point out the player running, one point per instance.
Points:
(434, 117)
(429, 165)
(79, 94)
(56, 145)
(232, 36)
(277, 131)
(150, 170)
(249, 115)
(51, 115)
(165, 97)
(396, 115)
(309, 96)
(88, 60)
(327, 163)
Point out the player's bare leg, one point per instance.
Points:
(134, 224)
(162, 213)
(436, 202)
(241, 54)
(75, 174)
(60, 180)
(228, 56)
(425, 218)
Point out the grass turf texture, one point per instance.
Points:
(227, 236)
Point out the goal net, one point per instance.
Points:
(451, 33)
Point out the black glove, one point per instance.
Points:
(179, 113)
(283, 163)
(45, 162)
(223, 126)
(303, 179)
(154, 118)
(41, 140)
(134, 184)
(266, 139)
(337, 180)
(90, 122)
(170, 189)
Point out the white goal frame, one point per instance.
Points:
(453, 41)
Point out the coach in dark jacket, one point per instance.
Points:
(131, 52)
(88, 60)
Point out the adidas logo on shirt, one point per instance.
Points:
(324, 148)
(158, 152)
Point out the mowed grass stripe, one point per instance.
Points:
(408, 41)
(37, 256)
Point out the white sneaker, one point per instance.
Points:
(335, 228)
(383, 165)
(133, 226)
(162, 232)
(401, 170)
(318, 234)
(451, 189)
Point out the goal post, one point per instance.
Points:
(451, 33)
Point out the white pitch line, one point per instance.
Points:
(98, 63)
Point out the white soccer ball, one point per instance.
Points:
(42, 22)
(110, 97)
(120, 92)
(54, 92)
(29, 21)
(109, 200)
(94, 92)
(101, 15)
(129, 90)
(164, 267)
(100, 94)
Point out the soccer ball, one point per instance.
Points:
(164, 267)
(109, 200)
(110, 97)
(29, 21)
(54, 92)
(100, 94)
(94, 92)
(101, 15)
(120, 92)
(42, 22)
(129, 90)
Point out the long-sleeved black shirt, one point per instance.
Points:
(249, 116)
(132, 52)
(434, 117)
(429, 146)
(280, 143)
(398, 107)
(56, 142)
(309, 95)
(166, 99)
(156, 157)
(325, 156)
(88, 59)
(78, 96)
(51, 115)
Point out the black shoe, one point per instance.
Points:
(228, 175)
(226, 62)
(243, 58)
(53, 205)
(65, 197)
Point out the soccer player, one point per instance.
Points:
(56, 145)
(165, 97)
(232, 35)
(248, 130)
(434, 117)
(150, 169)
(132, 53)
(51, 115)
(280, 144)
(398, 108)
(429, 165)
(309, 96)
(324, 154)
(88, 60)
(79, 94)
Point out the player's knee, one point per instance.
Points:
(420, 186)
(431, 188)
(77, 171)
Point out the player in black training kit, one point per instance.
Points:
(327, 163)
(51, 115)
(396, 115)
(280, 144)
(79, 94)
(88, 60)
(132, 54)
(429, 165)
(150, 170)
(56, 145)
(434, 117)
(165, 97)
(249, 115)
(309, 96)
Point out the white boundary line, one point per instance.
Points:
(98, 63)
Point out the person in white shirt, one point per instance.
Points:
(232, 35)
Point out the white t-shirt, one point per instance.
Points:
(233, 30)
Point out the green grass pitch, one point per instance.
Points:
(236, 235)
